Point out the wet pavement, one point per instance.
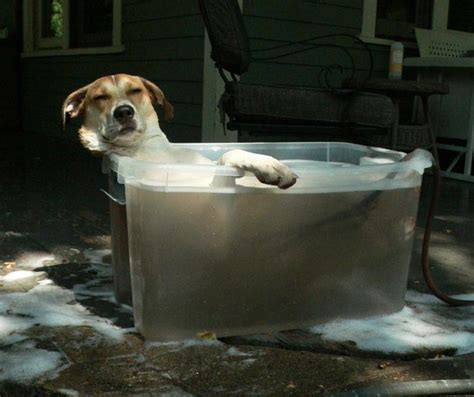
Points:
(54, 226)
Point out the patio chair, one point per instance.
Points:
(316, 113)
(405, 136)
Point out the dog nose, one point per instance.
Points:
(124, 113)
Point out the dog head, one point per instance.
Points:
(117, 110)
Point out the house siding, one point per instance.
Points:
(164, 42)
(273, 22)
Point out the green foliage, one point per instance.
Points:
(57, 18)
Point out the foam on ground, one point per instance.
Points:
(26, 362)
(96, 256)
(47, 305)
(184, 344)
(424, 323)
(233, 351)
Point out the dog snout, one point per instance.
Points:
(124, 113)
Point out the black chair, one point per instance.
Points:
(279, 110)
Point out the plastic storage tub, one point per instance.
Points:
(214, 250)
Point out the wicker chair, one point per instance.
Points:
(405, 136)
(279, 111)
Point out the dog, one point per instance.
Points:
(119, 117)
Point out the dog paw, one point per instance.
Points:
(274, 172)
(267, 169)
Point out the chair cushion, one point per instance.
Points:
(399, 87)
(295, 106)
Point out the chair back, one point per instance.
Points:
(227, 34)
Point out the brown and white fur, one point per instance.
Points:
(119, 118)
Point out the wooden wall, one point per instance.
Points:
(271, 22)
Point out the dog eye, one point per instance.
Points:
(101, 97)
(135, 91)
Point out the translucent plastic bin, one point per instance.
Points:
(213, 250)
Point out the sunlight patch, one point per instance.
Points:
(34, 260)
(18, 275)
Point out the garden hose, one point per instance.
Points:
(426, 242)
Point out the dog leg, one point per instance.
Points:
(267, 169)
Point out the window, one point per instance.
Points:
(50, 24)
(91, 32)
(461, 15)
(398, 19)
(63, 27)
(388, 20)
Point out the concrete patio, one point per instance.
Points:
(54, 222)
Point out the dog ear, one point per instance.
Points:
(73, 105)
(157, 97)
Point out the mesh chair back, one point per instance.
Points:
(227, 34)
